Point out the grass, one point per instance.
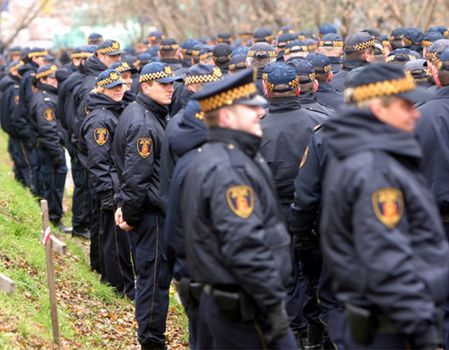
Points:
(91, 315)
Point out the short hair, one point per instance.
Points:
(259, 62)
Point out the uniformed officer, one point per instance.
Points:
(50, 141)
(420, 72)
(66, 111)
(331, 45)
(137, 155)
(428, 39)
(259, 55)
(381, 230)
(222, 56)
(359, 51)
(396, 38)
(308, 86)
(126, 71)
(224, 38)
(186, 52)
(327, 28)
(169, 54)
(295, 49)
(281, 42)
(236, 241)
(286, 128)
(237, 63)
(412, 39)
(186, 140)
(33, 59)
(14, 54)
(286, 132)
(263, 35)
(196, 77)
(325, 94)
(431, 130)
(9, 100)
(97, 134)
(94, 39)
(155, 37)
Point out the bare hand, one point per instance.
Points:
(118, 216)
(125, 227)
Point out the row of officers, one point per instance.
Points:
(291, 207)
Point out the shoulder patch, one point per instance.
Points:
(304, 157)
(240, 200)
(49, 114)
(145, 147)
(101, 136)
(388, 205)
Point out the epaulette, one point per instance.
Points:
(235, 155)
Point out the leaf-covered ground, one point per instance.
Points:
(91, 315)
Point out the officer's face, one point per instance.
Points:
(116, 93)
(127, 78)
(399, 113)
(159, 92)
(40, 60)
(243, 118)
(109, 60)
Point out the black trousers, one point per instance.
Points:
(153, 281)
(51, 183)
(115, 255)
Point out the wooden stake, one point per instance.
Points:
(7, 284)
(50, 273)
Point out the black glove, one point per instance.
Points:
(107, 200)
(277, 319)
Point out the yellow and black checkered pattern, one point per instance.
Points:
(362, 46)
(124, 67)
(48, 72)
(206, 55)
(113, 77)
(426, 43)
(407, 41)
(81, 55)
(227, 98)
(252, 53)
(303, 78)
(110, 49)
(154, 76)
(199, 116)
(432, 57)
(293, 84)
(380, 89)
(38, 54)
(203, 78)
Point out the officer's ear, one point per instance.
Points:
(330, 76)
(315, 85)
(298, 91)
(265, 90)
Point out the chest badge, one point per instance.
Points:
(101, 136)
(388, 206)
(241, 200)
(49, 114)
(145, 146)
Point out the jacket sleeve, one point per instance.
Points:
(236, 214)
(98, 140)
(48, 128)
(305, 208)
(21, 120)
(137, 171)
(383, 246)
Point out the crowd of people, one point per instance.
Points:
(293, 187)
